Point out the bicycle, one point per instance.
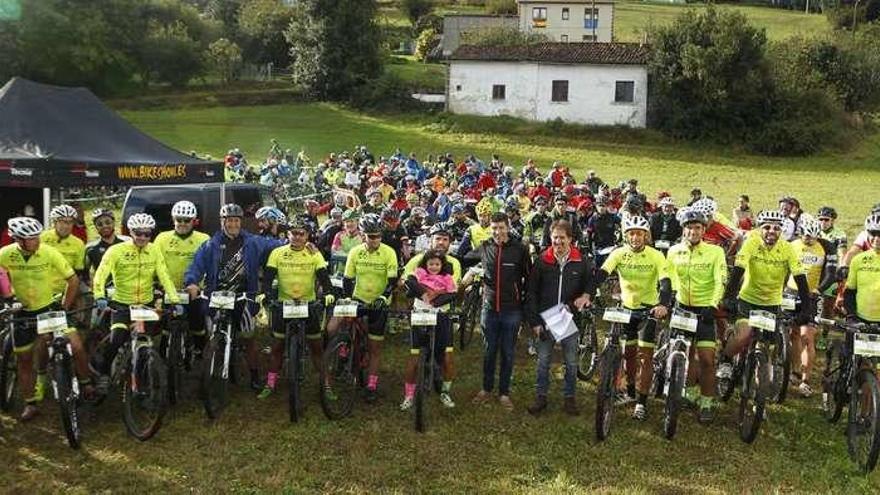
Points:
(610, 360)
(470, 308)
(142, 376)
(671, 361)
(757, 373)
(588, 344)
(853, 379)
(295, 315)
(176, 349)
(65, 384)
(345, 361)
(780, 371)
(220, 362)
(8, 365)
(424, 317)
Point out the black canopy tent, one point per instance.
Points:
(53, 136)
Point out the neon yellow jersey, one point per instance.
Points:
(413, 263)
(370, 270)
(812, 259)
(479, 234)
(178, 252)
(133, 270)
(296, 272)
(525, 204)
(639, 273)
(766, 270)
(698, 275)
(32, 277)
(72, 248)
(864, 278)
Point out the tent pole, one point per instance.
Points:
(47, 204)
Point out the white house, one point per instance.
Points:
(585, 83)
(568, 20)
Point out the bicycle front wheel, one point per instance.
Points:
(608, 366)
(424, 382)
(215, 386)
(294, 396)
(175, 357)
(780, 366)
(339, 378)
(470, 314)
(862, 432)
(8, 375)
(587, 353)
(145, 394)
(674, 395)
(834, 386)
(753, 395)
(67, 395)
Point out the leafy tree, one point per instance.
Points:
(501, 7)
(335, 46)
(416, 9)
(225, 57)
(171, 55)
(426, 42)
(262, 24)
(501, 36)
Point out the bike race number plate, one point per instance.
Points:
(788, 302)
(143, 313)
(423, 317)
(222, 299)
(762, 320)
(662, 244)
(617, 315)
(684, 321)
(345, 309)
(336, 281)
(51, 322)
(182, 296)
(866, 344)
(294, 310)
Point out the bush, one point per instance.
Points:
(428, 40)
(385, 93)
(501, 36)
(501, 6)
(225, 57)
(416, 9)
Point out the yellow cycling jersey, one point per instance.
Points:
(698, 273)
(812, 258)
(864, 278)
(296, 272)
(370, 270)
(479, 234)
(766, 270)
(639, 273)
(178, 252)
(133, 270)
(72, 248)
(33, 277)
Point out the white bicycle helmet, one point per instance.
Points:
(62, 211)
(184, 209)
(872, 222)
(24, 227)
(635, 222)
(667, 201)
(770, 216)
(809, 227)
(141, 221)
(706, 206)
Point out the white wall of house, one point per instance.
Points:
(577, 27)
(528, 90)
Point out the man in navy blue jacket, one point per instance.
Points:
(231, 261)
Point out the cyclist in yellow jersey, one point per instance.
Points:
(32, 267)
(861, 298)
(134, 265)
(757, 279)
(477, 233)
(61, 238)
(698, 271)
(370, 276)
(178, 247)
(645, 289)
(296, 269)
(819, 259)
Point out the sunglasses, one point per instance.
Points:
(142, 233)
(824, 219)
(374, 236)
(298, 232)
(774, 228)
(183, 220)
(874, 233)
(107, 222)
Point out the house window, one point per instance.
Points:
(458, 87)
(539, 16)
(563, 38)
(565, 13)
(560, 91)
(589, 37)
(591, 18)
(624, 91)
(499, 91)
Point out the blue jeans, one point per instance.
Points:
(569, 353)
(499, 332)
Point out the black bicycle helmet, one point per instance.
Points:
(370, 224)
(826, 212)
(102, 212)
(231, 210)
(691, 215)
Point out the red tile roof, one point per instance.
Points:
(559, 53)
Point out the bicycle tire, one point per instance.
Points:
(674, 396)
(423, 383)
(725, 388)
(176, 362)
(8, 375)
(67, 398)
(609, 363)
(864, 425)
(215, 388)
(780, 367)
(587, 353)
(338, 363)
(834, 387)
(294, 396)
(469, 316)
(150, 397)
(753, 396)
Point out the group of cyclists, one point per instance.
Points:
(399, 230)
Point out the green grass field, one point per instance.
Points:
(468, 450)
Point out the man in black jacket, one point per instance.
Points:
(506, 267)
(665, 229)
(561, 275)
